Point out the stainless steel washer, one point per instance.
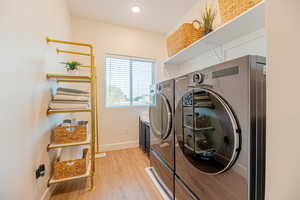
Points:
(220, 132)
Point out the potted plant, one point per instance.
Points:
(72, 66)
(208, 18)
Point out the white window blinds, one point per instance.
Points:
(128, 81)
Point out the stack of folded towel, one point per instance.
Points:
(68, 98)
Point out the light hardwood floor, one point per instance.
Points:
(119, 176)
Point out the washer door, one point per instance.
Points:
(160, 115)
(207, 131)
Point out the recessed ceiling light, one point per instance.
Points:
(135, 9)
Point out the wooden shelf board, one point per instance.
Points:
(248, 22)
(67, 77)
(51, 111)
(55, 146)
(86, 175)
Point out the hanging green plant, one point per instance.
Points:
(208, 18)
(71, 65)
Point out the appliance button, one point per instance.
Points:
(198, 78)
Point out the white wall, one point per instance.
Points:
(283, 97)
(25, 59)
(118, 126)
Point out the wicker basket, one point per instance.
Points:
(230, 9)
(183, 37)
(71, 168)
(69, 134)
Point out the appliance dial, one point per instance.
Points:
(198, 78)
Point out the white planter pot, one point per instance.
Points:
(73, 72)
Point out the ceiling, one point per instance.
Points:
(156, 15)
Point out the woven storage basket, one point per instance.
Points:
(230, 9)
(69, 134)
(183, 37)
(71, 168)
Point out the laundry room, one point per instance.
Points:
(149, 100)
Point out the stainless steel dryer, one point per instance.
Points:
(220, 132)
(162, 135)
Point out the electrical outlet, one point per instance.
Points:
(40, 171)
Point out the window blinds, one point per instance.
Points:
(128, 81)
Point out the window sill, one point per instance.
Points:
(129, 106)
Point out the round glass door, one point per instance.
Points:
(160, 117)
(207, 131)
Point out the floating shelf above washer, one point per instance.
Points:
(248, 22)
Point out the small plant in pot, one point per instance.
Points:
(72, 66)
(208, 18)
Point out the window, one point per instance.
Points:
(128, 81)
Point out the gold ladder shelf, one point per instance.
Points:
(93, 136)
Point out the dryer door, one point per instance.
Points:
(162, 140)
(160, 115)
(207, 131)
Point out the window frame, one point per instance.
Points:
(130, 59)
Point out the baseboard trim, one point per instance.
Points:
(118, 146)
(100, 155)
(48, 192)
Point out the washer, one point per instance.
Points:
(162, 135)
(220, 131)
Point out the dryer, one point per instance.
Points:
(220, 131)
(161, 114)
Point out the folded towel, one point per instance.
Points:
(61, 97)
(70, 101)
(71, 90)
(68, 105)
(72, 94)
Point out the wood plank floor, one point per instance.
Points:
(119, 176)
